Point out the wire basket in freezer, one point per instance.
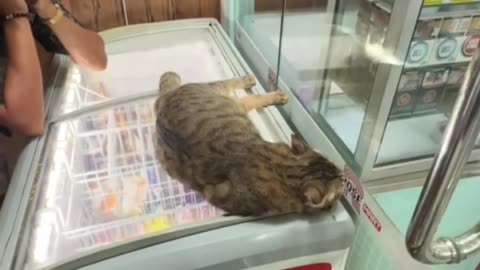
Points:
(114, 171)
(105, 184)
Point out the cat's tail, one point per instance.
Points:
(169, 81)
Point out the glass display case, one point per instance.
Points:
(371, 83)
(372, 80)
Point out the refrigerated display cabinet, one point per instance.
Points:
(373, 80)
(89, 194)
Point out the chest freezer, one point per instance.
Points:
(89, 194)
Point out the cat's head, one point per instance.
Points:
(321, 180)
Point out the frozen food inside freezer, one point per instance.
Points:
(103, 185)
(192, 53)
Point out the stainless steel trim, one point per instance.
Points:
(105, 105)
(458, 141)
(414, 166)
(411, 180)
(395, 183)
(280, 44)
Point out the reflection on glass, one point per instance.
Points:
(329, 60)
(444, 41)
(260, 21)
(138, 70)
(329, 56)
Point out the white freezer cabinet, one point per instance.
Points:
(90, 193)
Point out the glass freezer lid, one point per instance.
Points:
(136, 63)
(102, 185)
(99, 185)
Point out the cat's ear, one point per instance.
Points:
(298, 146)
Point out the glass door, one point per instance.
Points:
(441, 48)
(328, 54)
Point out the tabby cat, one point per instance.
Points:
(206, 141)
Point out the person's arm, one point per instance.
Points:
(85, 47)
(23, 86)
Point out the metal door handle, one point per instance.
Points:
(458, 140)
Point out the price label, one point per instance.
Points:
(444, 2)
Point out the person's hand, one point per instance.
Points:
(12, 6)
(43, 8)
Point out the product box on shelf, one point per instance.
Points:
(428, 100)
(445, 50)
(452, 87)
(440, 49)
(405, 97)
(419, 53)
(469, 44)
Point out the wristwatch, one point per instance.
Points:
(57, 17)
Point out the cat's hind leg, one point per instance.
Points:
(230, 85)
(260, 101)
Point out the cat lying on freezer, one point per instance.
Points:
(206, 141)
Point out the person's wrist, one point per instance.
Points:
(46, 11)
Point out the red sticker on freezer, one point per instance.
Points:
(371, 216)
(353, 188)
(470, 45)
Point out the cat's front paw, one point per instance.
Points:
(279, 98)
(249, 81)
